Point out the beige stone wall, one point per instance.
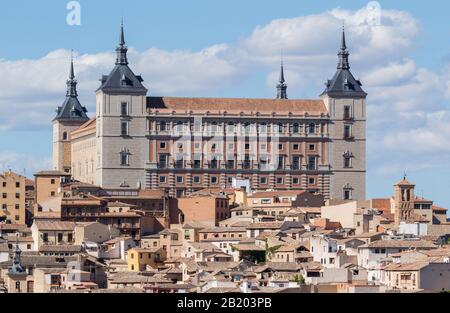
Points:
(84, 152)
(62, 148)
(12, 197)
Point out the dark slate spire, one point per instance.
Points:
(122, 79)
(343, 53)
(16, 267)
(343, 84)
(72, 83)
(72, 110)
(122, 49)
(282, 86)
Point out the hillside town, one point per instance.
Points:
(210, 195)
(60, 235)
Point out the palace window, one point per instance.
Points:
(124, 109)
(296, 181)
(124, 128)
(179, 162)
(263, 128)
(296, 162)
(280, 162)
(162, 161)
(347, 131)
(279, 180)
(179, 179)
(312, 181)
(247, 163)
(65, 137)
(312, 163)
(263, 180)
(162, 126)
(312, 128)
(230, 164)
(347, 192)
(125, 157)
(347, 112)
(295, 128)
(214, 180)
(180, 126)
(196, 179)
(280, 128)
(162, 145)
(162, 179)
(214, 163)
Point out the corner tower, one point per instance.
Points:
(70, 116)
(122, 148)
(346, 103)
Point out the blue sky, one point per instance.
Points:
(234, 49)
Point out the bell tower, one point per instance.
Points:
(70, 116)
(403, 200)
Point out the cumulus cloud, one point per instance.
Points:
(407, 104)
(23, 163)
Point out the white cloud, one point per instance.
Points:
(407, 104)
(23, 163)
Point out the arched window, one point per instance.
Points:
(280, 128)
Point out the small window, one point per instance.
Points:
(180, 179)
(196, 179)
(296, 147)
(65, 137)
(312, 181)
(124, 159)
(124, 129)
(296, 181)
(347, 131)
(124, 109)
(263, 180)
(312, 147)
(347, 112)
(279, 180)
(162, 179)
(162, 145)
(52, 181)
(214, 180)
(312, 128)
(280, 146)
(295, 128)
(162, 126)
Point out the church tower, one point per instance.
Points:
(346, 105)
(403, 201)
(70, 116)
(122, 148)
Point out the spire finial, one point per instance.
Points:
(343, 43)
(72, 72)
(122, 35)
(405, 175)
